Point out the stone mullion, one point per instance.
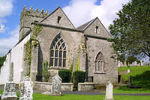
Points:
(54, 58)
(102, 67)
(62, 57)
(58, 59)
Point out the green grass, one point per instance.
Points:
(124, 89)
(87, 97)
(140, 74)
(37, 96)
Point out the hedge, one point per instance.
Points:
(65, 75)
(78, 76)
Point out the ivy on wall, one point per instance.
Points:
(28, 52)
(36, 30)
(78, 63)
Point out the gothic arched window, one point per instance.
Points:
(99, 63)
(58, 52)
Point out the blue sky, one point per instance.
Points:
(78, 11)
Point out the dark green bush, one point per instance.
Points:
(78, 76)
(65, 75)
(2, 59)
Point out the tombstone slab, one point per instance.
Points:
(109, 91)
(9, 91)
(26, 89)
(56, 86)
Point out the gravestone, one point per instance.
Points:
(56, 85)
(26, 89)
(109, 91)
(10, 87)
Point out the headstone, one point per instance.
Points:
(10, 87)
(128, 71)
(130, 82)
(56, 85)
(109, 91)
(26, 89)
(9, 91)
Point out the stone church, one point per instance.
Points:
(52, 38)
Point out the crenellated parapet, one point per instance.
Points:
(27, 17)
(34, 13)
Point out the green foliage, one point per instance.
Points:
(78, 76)
(140, 75)
(78, 64)
(2, 59)
(28, 55)
(36, 30)
(65, 75)
(131, 30)
(45, 73)
(28, 52)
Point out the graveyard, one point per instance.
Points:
(74, 50)
(116, 93)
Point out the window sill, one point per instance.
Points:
(99, 72)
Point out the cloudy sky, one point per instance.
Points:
(79, 12)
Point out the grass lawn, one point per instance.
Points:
(140, 76)
(87, 97)
(124, 89)
(37, 96)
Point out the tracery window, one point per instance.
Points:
(58, 52)
(99, 63)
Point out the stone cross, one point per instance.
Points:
(10, 87)
(26, 89)
(109, 91)
(56, 85)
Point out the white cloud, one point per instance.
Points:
(7, 43)
(2, 28)
(81, 11)
(6, 7)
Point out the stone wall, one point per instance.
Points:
(15, 56)
(87, 86)
(46, 86)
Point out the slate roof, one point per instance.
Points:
(84, 26)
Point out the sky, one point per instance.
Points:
(78, 11)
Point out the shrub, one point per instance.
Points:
(65, 75)
(45, 72)
(78, 76)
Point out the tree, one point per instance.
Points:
(131, 30)
(2, 59)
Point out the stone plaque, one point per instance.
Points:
(26, 89)
(56, 85)
(109, 91)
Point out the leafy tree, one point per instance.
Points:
(2, 59)
(131, 30)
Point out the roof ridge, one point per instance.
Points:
(87, 24)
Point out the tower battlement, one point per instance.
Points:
(34, 13)
(27, 17)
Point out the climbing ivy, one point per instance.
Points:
(78, 63)
(36, 30)
(28, 52)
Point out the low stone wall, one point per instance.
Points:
(87, 86)
(46, 86)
